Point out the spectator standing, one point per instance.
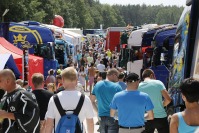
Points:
(50, 78)
(69, 99)
(131, 114)
(79, 56)
(42, 96)
(121, 81)
(86, 77)
(20, 82)
(90, 59)
(105, 61)
(59, 81)
(91, 72)
(109, 54)
(101, 67)
(83, 61)
(188, 120)
(156, 90)
(20, 111)
(51, 88)
(104, 91)
(82, 75)
(98, 60)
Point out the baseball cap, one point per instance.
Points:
(132, 77)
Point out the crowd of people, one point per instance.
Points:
(123, 102)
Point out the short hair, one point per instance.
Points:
(121, 76)
(92, 64)
(101, 62)
(8, 73)
(25, 83)
(147, 73)
(51, 71)
(190, 89)
(112, 71)
(58, 77)
(37, 79)
(103, 75)
(69, 73)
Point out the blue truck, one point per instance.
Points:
(62, 51)
(31, 32)
(185, 61)
(163, 42)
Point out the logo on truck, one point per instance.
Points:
(24, 30)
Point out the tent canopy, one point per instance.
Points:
(7, 61)
(35, 62)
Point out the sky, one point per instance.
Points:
(147, 2)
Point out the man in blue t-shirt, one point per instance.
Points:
(121, 81)
(156, 91)
(104, 91)
(132, 105)
(79, 56)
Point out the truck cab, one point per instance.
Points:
(62, 51)
(185, 61)
(162, 53)
(41, 39)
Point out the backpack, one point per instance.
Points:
(69, 123)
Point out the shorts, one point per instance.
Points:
(86, 78)
(91, 80)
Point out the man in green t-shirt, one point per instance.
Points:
(156, 91)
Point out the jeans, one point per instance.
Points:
(161, 124)
(108, 125)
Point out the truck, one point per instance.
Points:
(62, 51)
(163, 43)
(99, 32)
(41, 39)
(185, 61)
(113, 38)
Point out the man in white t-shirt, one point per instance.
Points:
(98, 60)
(69, 99)
(101, 67)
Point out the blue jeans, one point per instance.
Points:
(108, 125)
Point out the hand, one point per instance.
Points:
(3, 114)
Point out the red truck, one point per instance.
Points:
(113, 38)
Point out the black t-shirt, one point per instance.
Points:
(60, 89)
(26, 111)
(105, 61)
(2, 92)
(43, 97)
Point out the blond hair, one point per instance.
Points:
(69, 73)
(52, 85)
(37, 79)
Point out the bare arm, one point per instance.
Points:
(93, 98)
(4, 114)
(149, 115)
(174, 124)
(112, 113)
(166, 96)
(49, 125)
(90, 125)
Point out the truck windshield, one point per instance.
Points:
(43, 50)
(60, 54)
